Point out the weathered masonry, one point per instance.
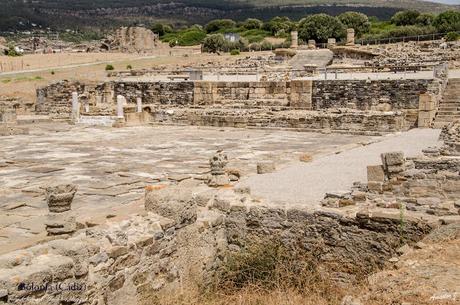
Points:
(360, 105)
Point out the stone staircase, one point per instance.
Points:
(449, 107)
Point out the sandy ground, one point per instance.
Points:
(90, 67)
(307, 183)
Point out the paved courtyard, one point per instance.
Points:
(112, 166)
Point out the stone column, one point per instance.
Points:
(139, 101)
(219, 177)
(294, 40)
(60, 219)
(331, 43)
(350, 37)
(75, 106)
(120, 104)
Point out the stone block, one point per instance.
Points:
(172, 202)
(425, 118)
(426, 102)
(265, 167)
(374, 186)
(375, 173)
(393, 158)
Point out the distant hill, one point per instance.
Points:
(62, 14)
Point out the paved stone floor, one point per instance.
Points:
(112, 166)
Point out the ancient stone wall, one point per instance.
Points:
(294, 94)
(254, 101)
(349, 121)
(400, 94)
(156, 93)
(56, 99)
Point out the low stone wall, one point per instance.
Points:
(346, 120)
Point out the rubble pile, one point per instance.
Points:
(428, 184)
(412, 52)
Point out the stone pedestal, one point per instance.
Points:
(311, 44)
(331, 42)
(218, 175)
(350, 37)
(60, 219)
(294, 40)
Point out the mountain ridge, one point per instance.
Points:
(110, 13)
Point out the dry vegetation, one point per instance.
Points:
(267, 273)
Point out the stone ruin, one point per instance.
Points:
(219, 176)
(188, 229)
(132, 40)
(450, 134)
(429, 184)
(60, 219)
(354, 106)
(8, 118)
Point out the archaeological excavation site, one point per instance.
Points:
(136, 170)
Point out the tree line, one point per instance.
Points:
(251, 34)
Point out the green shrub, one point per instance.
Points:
(191, 37)
(129, 67)
(410, 30)
(219, 24)
(279, 25)
(408, 17)
(320, 27)
(252, 24)
(357, 21)
(52, 72)
(235, 52)
(12, 52)
(109, 68)
(448, 21)
(214, 43)
(425, 19)
(452, 36)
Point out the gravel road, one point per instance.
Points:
(306, 183)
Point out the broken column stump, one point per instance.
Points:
(60, 219)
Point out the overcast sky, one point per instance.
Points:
(446, 1)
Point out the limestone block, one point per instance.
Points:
(375, 173)
(393, 158)
(172, 202)
(265, 167)
(426, 102)
(374, 186)
(60, 223)
(425, 118)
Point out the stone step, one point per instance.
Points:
(448, 109)
(447, 117)
(438, 124)
(451, 113)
